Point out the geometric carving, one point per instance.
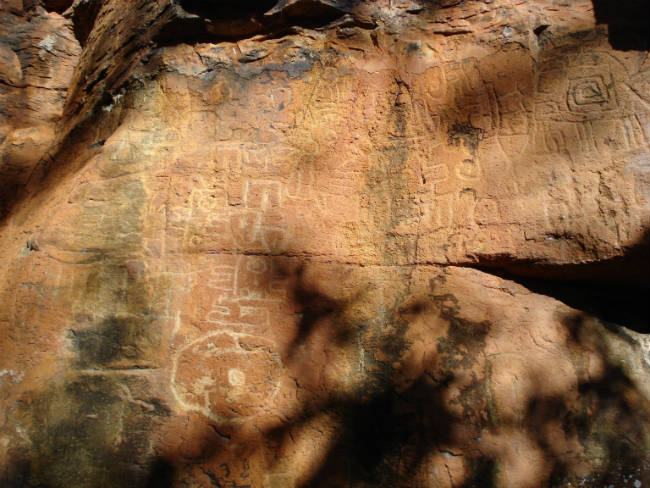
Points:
(227, 376)
(435, 82)
(435, 172)
(468, 169)
(590, 93)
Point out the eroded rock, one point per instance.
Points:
(292, 244)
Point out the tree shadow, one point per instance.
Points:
(391, 432)
(628, 21)
(387, 434)
(387, 431)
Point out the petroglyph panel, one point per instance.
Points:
(466, 127)
(262, 248)
(226, 376)
(239, 293)
(452, 210)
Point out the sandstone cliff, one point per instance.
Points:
(299, 243)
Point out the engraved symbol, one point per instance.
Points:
(588, 91)
(243, 292)
(592, 93)
(236, 377)
(227, 376)
(468, 169)
(435, 84)
(436, 172)
(487, 211)
(452, 209)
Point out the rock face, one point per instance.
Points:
(323, 243)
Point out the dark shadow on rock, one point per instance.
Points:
(162, 474)
(626, 306)
(83, 15)
(196, 21)
(227, 9)
(383, 440)
(385, 432)
(628, 21)
(86, 431)
(614, 291)
(631, 269)
(316, 309)
(612, 414)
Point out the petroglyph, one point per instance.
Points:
(469, 170)
(452, 210)
(435, 172)
(242, 292)
(589, 91)
(227, 376)
(268, 256)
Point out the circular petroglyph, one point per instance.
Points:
(226, 375)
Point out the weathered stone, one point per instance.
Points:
(325, 243)
(37, 57)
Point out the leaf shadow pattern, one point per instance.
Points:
(386, 431)
(433, 428)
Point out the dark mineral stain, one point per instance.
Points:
(465, 133)
(117, 341)
(88, 431)
(465, 338)
(387, 187)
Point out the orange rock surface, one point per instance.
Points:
(391, 243)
